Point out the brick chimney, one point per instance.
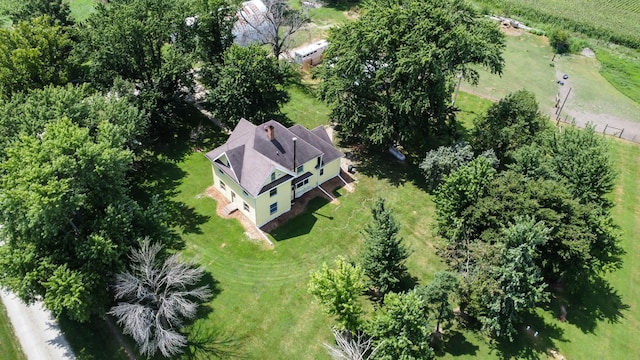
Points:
(271, 134)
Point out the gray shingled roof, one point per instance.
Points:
(319, 139)
(253, 157)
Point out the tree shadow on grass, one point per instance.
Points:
(534, 339)
(212, 343)
(456, 344)
(383, 165)
(598, 301)
(302, 223)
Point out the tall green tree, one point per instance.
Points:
(68, 219)
(583, 240)
(581, 157)
(506, 281)
(460, 189)
(401, 328)
(338, 290)
(438, 295)
(512, 122)
(248, 84)
(389, 74)
(142, 41)
(208, 28)
(383, 256)
(34, 54)
(28, 114)
(57, 10)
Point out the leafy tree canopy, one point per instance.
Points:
(338, 290)
(30, 113)
(389, 73)
(401, 328)
(68, 218)
(143, 42)
(505, 280)
(34, 54)
(249, 83)
(57, 10)
(510, 123)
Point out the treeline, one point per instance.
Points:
(623, 36)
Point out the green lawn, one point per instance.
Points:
(527, 65)
(263, 298)
(81, 9)
(303, 108)
(527, 58)
(621, 68)
(9, 345)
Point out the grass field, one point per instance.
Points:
(9, 345)
(618, 20)
(527, 59)
(527, 65)
(621, 68)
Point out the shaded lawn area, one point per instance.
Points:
(304, 108)
(9, 345)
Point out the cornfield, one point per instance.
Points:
(617, 21)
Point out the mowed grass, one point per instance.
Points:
(592, 96)
(527, 66)
(82, 9)
(263, 300)
(304, 108)
(9, 345)
(527, 58)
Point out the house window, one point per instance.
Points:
(222, 185)
(220, 171)
(318, 162)
(321, 171)
(299, 169)
(273, 208)
(245, 206)
(273, 192)
(302, 183)
(245, 193)
(273, 176)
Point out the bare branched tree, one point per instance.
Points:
(277, 25)
(158, 296)
(350, 346)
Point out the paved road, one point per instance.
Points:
(37, 330)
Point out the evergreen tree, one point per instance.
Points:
(384, 253)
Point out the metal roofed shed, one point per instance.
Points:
(311, 54)
(251, 25)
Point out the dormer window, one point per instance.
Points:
(273, 176)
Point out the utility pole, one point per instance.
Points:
(564, 102)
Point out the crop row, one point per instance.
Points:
(617, 21)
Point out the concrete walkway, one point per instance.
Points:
(36, 329)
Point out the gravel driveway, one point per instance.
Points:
(37, 330)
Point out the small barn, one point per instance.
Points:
(311, 54)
